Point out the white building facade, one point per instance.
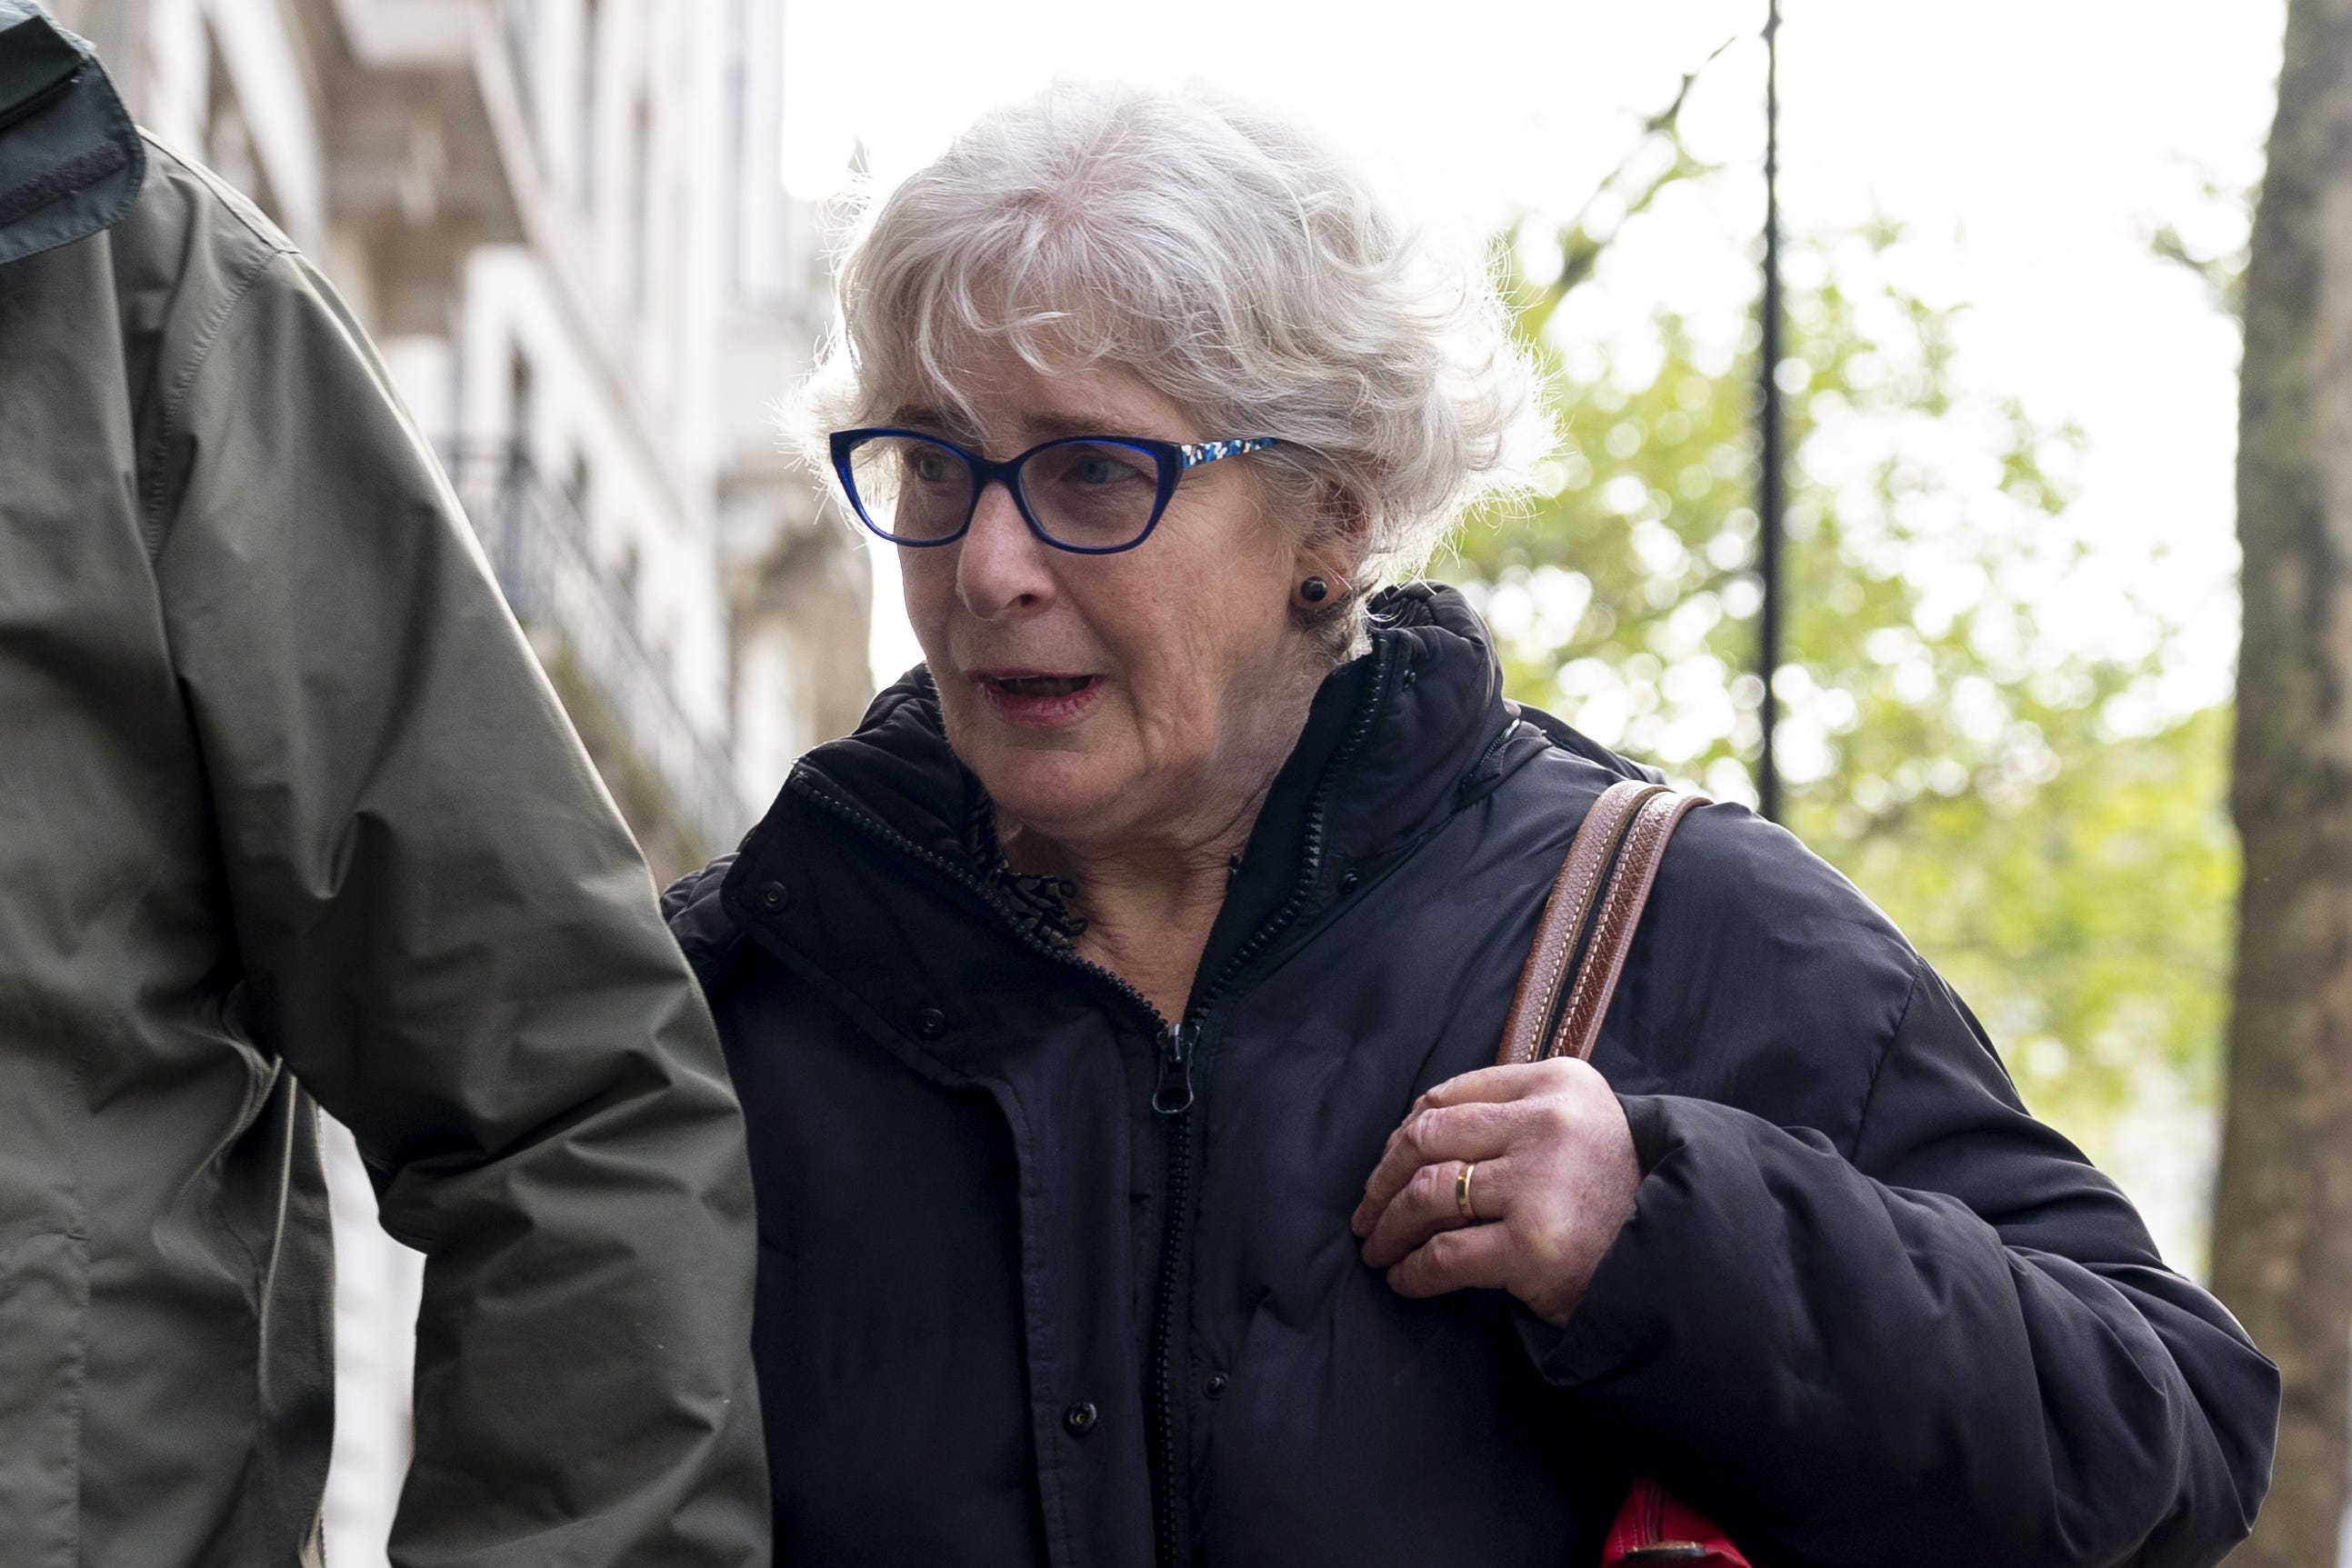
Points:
(565, 225)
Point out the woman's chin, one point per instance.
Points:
(1060, 794)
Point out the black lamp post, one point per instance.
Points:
(1771, 495)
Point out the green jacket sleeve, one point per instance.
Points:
(446, 931)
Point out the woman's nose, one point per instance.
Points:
(1001, 566)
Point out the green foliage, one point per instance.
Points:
(2224, 221)
(2089, 923)
(2017, 797)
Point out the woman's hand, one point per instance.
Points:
(1553, 1184)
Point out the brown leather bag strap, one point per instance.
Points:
(1551, 961)
(1588, 922)
(1620, 914)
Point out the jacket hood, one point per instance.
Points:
(70, 161)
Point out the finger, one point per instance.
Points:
(1500, 1085)
(1482, 1258)
(1421, 1208)
(1426, 1137)
(1437, 1098)
(1428, 1205)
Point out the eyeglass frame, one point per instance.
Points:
(1175, 460)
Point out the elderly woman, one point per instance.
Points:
(1112, 1011)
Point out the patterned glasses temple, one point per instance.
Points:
(1203, 452)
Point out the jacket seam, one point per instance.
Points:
(1028, 1201)
(227, 195)
(77, 1401)
(266, 1452)
(1894, 1033)
(175, 397)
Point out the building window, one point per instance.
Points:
(520, 413)
(522, 45)
(627, 574)
(738, 137)
(641, 203)
(576, 485)
(229, 136)
(591, 36)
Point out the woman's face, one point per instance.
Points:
(1139, 699)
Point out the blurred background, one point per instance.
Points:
(589, 238)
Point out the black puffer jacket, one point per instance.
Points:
(1869, 1311)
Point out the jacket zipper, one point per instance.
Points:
(1178, 1046)
(1174, 1099)
(1492, 747)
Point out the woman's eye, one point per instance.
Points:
(931, 467)
(1097, 469)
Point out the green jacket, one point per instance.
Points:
(287, 810)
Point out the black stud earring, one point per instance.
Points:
(1314, 590)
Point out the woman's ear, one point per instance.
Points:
(1332, 553)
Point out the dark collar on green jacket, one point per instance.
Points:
(70, 160)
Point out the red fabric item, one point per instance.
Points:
(1653, 1531)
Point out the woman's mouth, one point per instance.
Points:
(1038, 701)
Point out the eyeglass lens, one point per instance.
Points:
(1092, 495)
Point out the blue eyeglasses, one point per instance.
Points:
(1095, 495)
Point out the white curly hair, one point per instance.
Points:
(1239, 268)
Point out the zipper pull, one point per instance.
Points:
(1174, 1094)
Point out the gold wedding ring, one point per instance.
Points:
(1462, 1192)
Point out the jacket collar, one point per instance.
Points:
(1394, 742)
(70, 160)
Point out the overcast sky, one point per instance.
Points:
(2031, 145)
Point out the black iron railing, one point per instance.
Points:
(539, 548)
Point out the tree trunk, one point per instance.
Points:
(2283, 1213)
